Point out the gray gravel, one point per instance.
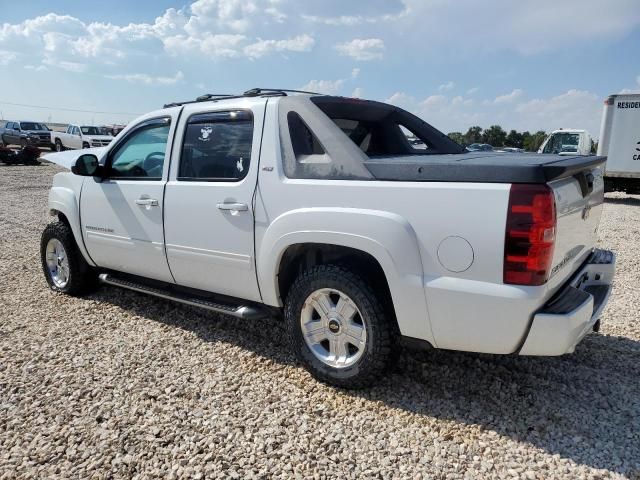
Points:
(123, 385)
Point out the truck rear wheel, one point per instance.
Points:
(65, 269)
(337, 327)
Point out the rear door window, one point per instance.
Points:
(217, 147)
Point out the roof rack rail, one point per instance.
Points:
(254, 92)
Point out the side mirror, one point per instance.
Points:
(86, 165)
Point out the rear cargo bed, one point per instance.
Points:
(480, 167)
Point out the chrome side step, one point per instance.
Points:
(239, 311)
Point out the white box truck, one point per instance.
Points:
(620, 142)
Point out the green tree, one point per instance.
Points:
(457, 137)
(494, 135)
(534, 141)
(514, 139)
(473, 135)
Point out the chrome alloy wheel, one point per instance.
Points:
(333, 328)
(58, 263)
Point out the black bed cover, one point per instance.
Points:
(485, 167)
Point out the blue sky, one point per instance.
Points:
(524, 65)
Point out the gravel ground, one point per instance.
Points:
(123, 385)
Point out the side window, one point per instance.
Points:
(303, 141)
(141, 155)
(69, 129)
(217, 147)
(76, 131)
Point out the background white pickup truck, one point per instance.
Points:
(567, 141)
(320, 209)
(77, 137)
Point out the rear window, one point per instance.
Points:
(217, 147)
(380, 129)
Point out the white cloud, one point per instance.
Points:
(7, 57)
(36, 68)
(144, 79)
(75, 67)
(434, 101)
(509, 97)
(362, 49)
(329, 87)
(355, 72)
(210, 46)
(401, 99)
(473, 90)
(301, 43)
(573, 109)
(357, 93)
(445, 87)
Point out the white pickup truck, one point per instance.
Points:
(77, 136)
(318, 210)
(567, 141)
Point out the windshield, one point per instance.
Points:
(32, 126)
(562, 142)
(91, 131)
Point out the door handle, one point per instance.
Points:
(235, 207)
(148, 202)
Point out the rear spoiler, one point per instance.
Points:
(570, 166)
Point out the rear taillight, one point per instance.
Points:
(530, 234)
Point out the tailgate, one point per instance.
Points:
(579, 202)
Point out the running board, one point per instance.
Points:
(239, 311)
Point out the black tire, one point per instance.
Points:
(58, 145)
(379, 328)
(82, 278)
(85, 145)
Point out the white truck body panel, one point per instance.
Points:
(620, 136)
(439, 244)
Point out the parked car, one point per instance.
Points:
(77, 136)
(567, 141)
(25, 134)
(513, 150)
(620, 142)
(318, 210)
(480, 147)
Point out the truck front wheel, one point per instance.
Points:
(337, 327)
(58, 145)
(65, 269)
